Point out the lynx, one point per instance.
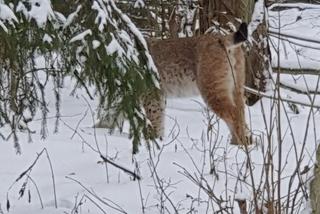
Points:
(213, 66)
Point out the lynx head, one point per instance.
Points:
(236, 39)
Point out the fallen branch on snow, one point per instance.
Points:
(297, 90)
(261, 94)
(133, 174)
(298, 71)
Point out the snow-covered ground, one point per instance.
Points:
(171, 176)
(300, 20)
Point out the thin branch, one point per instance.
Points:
(133, 174)
(29, 169)
(297, 71)
(37, 189)
(277, 34)
(53, 180)
(114, 206)
(262, 94)
(96, 204)
(301, 7)
(83, 84)
(297, 90)
(78, 124)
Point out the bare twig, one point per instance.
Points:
(95, 203)
(298, 71)
(133, 174)
(297, 90)
(27, 174)
(1, 211)
(160, 184)
(53, 180)
(140, 189)
(84, 85)
(262, 94)
(37, 189)
(110, 203)
(277, 33)
(78, 124)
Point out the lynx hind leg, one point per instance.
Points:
(232, 113)
(240, 135)
(155, 108)
(235, 119)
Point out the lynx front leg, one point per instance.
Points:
(155, 108)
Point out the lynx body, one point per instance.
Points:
(213, 66)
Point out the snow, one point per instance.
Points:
(139, 4)
(302, 82)
(95, 44)
(257, 17)
(114, 47)
(41, 11)
(47, 38)
(71, 17)
(81, 36)
(6, 15)
(22, 8)
(301, 23)
(102, 16)
(185, 149)
(3, 26)
(136, 32)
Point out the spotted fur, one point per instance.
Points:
(213, 66)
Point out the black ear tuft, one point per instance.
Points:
(242, 34)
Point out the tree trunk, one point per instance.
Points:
(224, 11)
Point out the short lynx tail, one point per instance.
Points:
(242, 34)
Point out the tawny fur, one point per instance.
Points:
(211, 65)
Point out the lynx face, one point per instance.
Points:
(213, 66)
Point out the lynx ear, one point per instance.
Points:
(242, 34)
